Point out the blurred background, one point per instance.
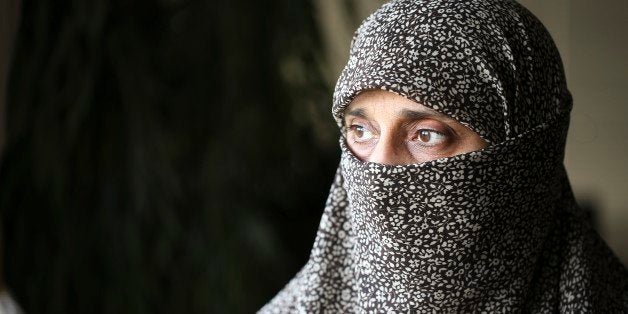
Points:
(175, 156)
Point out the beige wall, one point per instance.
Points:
(591, 36)
(337, 26)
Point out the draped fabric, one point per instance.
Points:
(495, 230)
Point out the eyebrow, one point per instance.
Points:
(358, 112)
(406, 113)
(417, 115)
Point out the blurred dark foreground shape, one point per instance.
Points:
(162, 157)
(9, 20)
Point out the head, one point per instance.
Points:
(454, 117)
(433, 79)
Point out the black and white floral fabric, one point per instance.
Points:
(495, 230)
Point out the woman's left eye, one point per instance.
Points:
(427, 137)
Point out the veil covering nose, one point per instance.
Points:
(496, 230)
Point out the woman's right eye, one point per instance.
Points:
(359, 133)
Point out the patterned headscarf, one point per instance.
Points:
(495, 230)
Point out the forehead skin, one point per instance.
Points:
(374, 100)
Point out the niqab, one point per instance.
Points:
(496, 230)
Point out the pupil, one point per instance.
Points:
(359, 132)
(424, 135)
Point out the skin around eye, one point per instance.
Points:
(429, 138)
(387, 128)
(422, 139)
(359, 133)
(430, 134)
(361, 137)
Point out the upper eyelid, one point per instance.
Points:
(450, 133)
(361, 121)
(414, 123)
(358, 117)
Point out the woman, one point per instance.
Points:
(451, 195)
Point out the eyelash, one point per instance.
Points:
(432, 132)
(355, 128)
(416, 134)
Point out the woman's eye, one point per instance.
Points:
(427, 137)
(359, 133)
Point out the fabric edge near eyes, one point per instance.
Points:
(559, 125)
(454, 158)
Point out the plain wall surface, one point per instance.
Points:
(591, 37)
